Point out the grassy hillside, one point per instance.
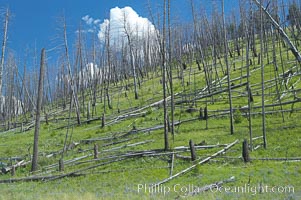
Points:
(131, 158)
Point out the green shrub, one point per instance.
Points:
(237, 116)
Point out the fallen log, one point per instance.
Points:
(278, 159)
(67, 162)
(69, 147)
(87, 141)
(200, 190)
(210, 94)
(198, 163)
(201, 147)
(18, 164)
(128, 145)
(55, 177)
(186, 158)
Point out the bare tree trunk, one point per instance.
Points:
(228, 70)
(73, 91)
(34, 166)
(170, 75)
(262, 77)
(132, 56)
(166, 143)
(276, 74)
(250, 98)
(3, 51)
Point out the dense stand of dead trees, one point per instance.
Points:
(215, 45)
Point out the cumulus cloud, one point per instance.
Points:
(91, 23)
(89, 20)
(124, 19)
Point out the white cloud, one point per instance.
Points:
(97, 21)
(124, 18)
(91, 23)
(103, 26)
(89, 20)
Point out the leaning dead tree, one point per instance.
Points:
(34, 166)
(281, 31)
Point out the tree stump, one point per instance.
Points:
(168, 125)
(245, 151)
(13, 171)
(61, 165)
(192, 150)
(201, 114)
(199, 67)
(258, 61)
(205, 113)
(46, 119)
(22, 127)
(206, 116)
(88, 112)
(95, 151)
(103, 120)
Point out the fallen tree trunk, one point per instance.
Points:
(128, 145)
(18, 164)
(200, 190)
(279, 159)
(211, 94)
(54, 177)
(201, 147)
(199, 163)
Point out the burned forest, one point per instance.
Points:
(207, 107)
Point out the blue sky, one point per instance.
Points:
(34, 22)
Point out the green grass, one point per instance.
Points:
(120, 180)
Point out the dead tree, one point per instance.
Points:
(245, 151)
(170, 75)
(192, 150)
(163, 54)
(262, 78)
(95, 151)
(161, 41)
(80, 74)
(281, 31)
(250, 97)
(3, 51)
(71, 78)
(228, 70)
(61, 165)
(127, 31)
(34, 166)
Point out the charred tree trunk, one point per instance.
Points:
(192, 150)
(38, 113)
(245, 151)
